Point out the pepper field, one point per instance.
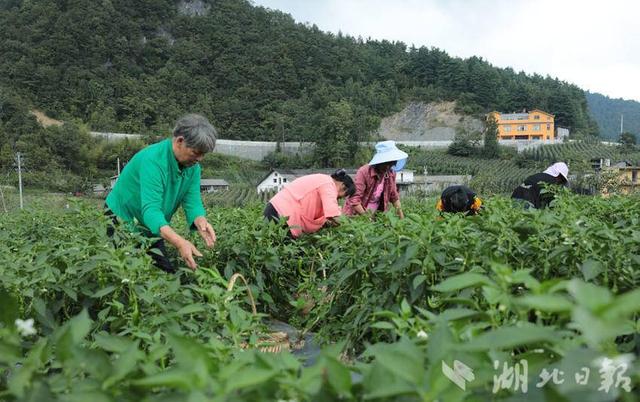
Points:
(507, 305)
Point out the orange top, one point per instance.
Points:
(307, 202)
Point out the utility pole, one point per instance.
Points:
(20, 181)
(118, 166)
(4, 206)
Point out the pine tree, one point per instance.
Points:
(627, 139)
(491, 138)
(332, 148)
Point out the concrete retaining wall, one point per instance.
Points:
(257, 150)
(522, 145)
(115, 136)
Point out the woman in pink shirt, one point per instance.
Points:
(309, 202)
(376, 182)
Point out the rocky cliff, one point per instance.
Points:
(427, 122)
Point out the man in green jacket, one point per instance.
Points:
(160, 178)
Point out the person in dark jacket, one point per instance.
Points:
(459, 199)
(530, 192)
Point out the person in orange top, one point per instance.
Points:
(310, 202)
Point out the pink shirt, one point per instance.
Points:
(365, 181)
(374, 202)
(307, 202)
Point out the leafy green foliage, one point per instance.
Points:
(492, 176)
(237, 196)
(389, 299)
(607, 112)
(627, 139)
(578, 154)
(236, 171)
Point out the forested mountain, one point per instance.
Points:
(134, 66)
(607, 111)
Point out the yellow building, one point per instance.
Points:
(623, 178)
(532, 125)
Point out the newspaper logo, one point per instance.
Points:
(459, 375)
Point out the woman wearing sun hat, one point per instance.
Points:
(376, 182)
(529, 192)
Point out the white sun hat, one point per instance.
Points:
(386, 151)
(559, 168)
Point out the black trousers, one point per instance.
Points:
(157, 250)
(271, 215)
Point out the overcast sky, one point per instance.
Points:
(593, 44)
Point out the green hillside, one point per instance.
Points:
(135, 66)
(607, 112)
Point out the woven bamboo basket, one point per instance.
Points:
(270, 342)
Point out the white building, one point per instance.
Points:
(562, 134)
(405, 176)
(213, 185)
(277, 179)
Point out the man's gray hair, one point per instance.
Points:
(198, 133)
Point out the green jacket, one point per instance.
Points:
(152, 186)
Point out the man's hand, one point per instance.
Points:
(205, 230)
(187, 250)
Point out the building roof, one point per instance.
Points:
(625, 165)
(514, 116)
(520, 116)
(292, 174)
(541, 111)
(213, 182)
